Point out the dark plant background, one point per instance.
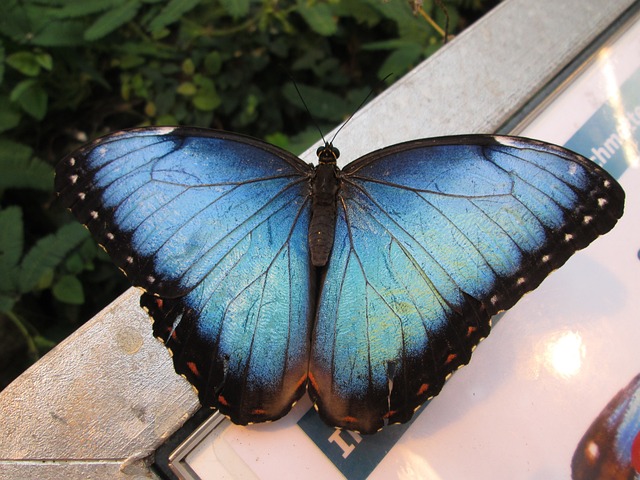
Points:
(71, 70)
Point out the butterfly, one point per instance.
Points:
(367, 286)
(610, 448)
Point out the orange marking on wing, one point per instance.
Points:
(349, 419)
(390, 413)
(223, 401)
(159, 303)
(423, 389)
(302, 381)
(471, 330)
(259, 412)
(194, 368)
(450, 358)
(312, 381)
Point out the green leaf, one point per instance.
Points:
(392, 44)
(35, 102)
(188, 67)
(48, 253)
(2, 59)
(7, 302)
(128, 62)
(31, 97)
(9, 115)
(82, 8)
(21, 88)
(279, 139)
(172, 12)
(74, 264)
(43, 344)
(319, 17)
(236, 8)
(25, 62)
(113, 19)
(207, 98)
(213, 63)
(400, 61)
(11, 236)
(68, 289)
(21, 170)
(187, 89)
(63, 33)
(44, 60)
(166, 119)
(46, 280)
(360, 11)
(11, 245)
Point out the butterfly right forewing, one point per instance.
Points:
(434, 237)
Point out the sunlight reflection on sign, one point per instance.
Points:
(563, 354)
(623, 124)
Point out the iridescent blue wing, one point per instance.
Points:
(433, 238)
(213, 226)
(610, 448)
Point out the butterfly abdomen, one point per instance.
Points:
(324, 192)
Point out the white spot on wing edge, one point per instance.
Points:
(163, 130)
(506, 141)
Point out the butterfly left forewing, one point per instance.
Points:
(213, 226)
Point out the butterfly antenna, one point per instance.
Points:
(358, 109)
(307, 108)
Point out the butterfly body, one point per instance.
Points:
(366, 286)
(325, 184)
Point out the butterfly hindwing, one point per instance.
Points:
(213, 227)
(433, 238)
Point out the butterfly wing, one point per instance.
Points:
(213, 227)
(610, 448)
(433, 238)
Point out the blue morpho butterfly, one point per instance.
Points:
(610, 448)
(366, 286)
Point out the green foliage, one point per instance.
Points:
(20, 169)
(73, 69)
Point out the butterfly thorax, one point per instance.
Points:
(325, 184)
